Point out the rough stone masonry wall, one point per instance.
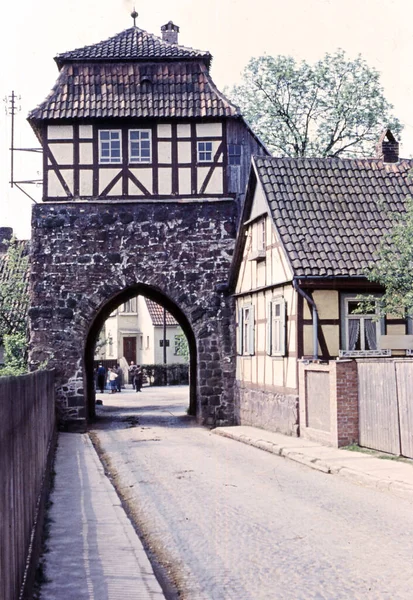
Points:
(269, 410)
(84, 254)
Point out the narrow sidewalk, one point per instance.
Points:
(362, 468)
(93, 550)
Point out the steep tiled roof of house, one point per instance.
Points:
(331, 213)
(162, 90)
(156, 314)
(132, 44)
(12, 314)
(134, 74)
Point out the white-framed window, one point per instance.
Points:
(360, 332)
(234, 154)
(110, 148)
(129, 306)
(204, 151)
(276, 310)
(246, 330)
(140, 146)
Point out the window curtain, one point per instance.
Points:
(353, 333)
(371, 334)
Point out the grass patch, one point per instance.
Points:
(377, 454)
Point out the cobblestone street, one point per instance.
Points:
(229, 521)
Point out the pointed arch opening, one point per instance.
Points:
(102, 315)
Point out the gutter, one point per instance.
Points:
(315, 316)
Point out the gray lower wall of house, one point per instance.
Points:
(273, 411)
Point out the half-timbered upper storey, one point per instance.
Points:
(137, 116)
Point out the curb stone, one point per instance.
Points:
(397, 488)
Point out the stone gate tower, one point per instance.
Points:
(145, 162)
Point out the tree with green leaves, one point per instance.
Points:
(393, 267)
(335, 107)
(14, 302)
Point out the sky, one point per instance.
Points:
(32, 33)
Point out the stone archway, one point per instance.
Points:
(88, 256)
(102, 315)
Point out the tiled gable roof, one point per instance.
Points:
(156, 314)
(132, 44)
(176, 89)
(331, 213)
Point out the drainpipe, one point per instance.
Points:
(315, 317)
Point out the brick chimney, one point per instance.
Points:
(6, 233)
(170, 33)
(388, 147)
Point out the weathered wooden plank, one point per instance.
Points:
(378, 412)
(404, 374)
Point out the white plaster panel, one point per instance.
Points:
(164, 130)
(208, 129)
(86, 154)
(259, 203)
(105, 177)
(86, 131)
(60, 132)
(63, 153)
(183, 130)
(184, 181)
(85, 183)
(165, 181)
(184, 152)
(291, 380)
(55, 188)
(331, 336)
(145, 178)
(215, 184)
(164, 152)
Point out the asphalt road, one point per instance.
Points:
(229, 521)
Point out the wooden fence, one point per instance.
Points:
(386, 405)
(27, 433)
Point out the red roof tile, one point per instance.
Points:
(156, 314)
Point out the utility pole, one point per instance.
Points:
(164, 348)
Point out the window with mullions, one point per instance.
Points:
(246, 330)
(276, 327)
(110, 146)
(360, 331)
(204, 151)
(234, 154)
(140, 150)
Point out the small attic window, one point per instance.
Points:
(146, 76)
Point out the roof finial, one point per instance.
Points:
(134, 16)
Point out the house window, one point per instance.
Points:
(246, 330)
(110, 146)
(147, 341)
(141, 342)
(261, 235)
(204, 151)
(360, 331)
(140, 150)
(234, 154)
(166, 343)
(129, 306)
(276, 327)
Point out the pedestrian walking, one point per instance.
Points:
(100, 378)
(113, 376)
(119, 380)
(132, 371)
(138, 378)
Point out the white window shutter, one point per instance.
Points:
(240, 332)
(283, 328)
(251, 349)
(269, 327)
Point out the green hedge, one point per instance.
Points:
(173, 374)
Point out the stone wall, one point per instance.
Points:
(88, 257)
(269, 410)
